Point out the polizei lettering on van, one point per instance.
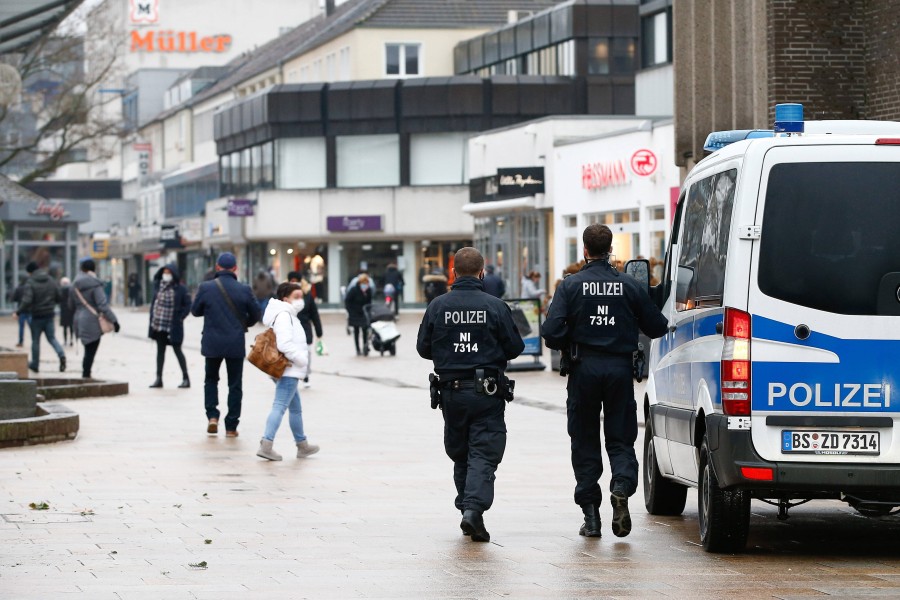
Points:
(465, 317)
(839, 395)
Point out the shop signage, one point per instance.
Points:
(483, 189)
(143, 150)
(169, 237)
(53, 209)
(643, 163)
(100, 248)
(144, 11)
(240, 207)
(355, 223)
(520, 181)
(151, 40)
(599, 175)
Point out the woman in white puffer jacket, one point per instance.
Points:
(281, 315)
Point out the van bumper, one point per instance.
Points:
(731, 450)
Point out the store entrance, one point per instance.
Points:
(371, 257)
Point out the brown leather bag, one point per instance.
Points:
(265, 356)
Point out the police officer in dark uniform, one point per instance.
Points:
(470, 336)
(594, 320)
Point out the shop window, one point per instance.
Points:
(267, 172)
(235, 172)
(225, 173)
(255, 166)
(438, 159)
(246, 166)
(622, 51)
(657, 213)
(402, 60)
(598, 56)
(570, 221)
(301, 163)
(368, 160)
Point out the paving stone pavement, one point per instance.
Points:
(145, 504)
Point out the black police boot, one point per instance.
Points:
(473, 524)
(591, 525)
(621, 520)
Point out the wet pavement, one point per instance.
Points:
(144, 504)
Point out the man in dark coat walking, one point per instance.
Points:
(39, 298)
(493, 283)
(228, 308)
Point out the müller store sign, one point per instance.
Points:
(146, 12)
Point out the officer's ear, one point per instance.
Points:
(481, 275)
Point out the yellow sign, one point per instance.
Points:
(99, 248)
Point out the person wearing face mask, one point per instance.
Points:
(281, 316)
(357, 297)
(169, 308)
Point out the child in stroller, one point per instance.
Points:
(382, 328)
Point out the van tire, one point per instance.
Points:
(661, 496)
(724, 515)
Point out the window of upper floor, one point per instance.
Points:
(402, 60)
(656, 39)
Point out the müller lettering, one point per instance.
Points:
(465, 317)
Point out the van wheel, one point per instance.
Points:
(724, 514)
(661, 496)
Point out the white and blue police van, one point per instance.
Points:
(779, 378)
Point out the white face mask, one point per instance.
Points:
(167, 277)
(298, 305)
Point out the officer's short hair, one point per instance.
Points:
(468, 262)
(597, 239)
(286, 289)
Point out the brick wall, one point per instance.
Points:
(817, 56)
(883, 60)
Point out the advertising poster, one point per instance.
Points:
(526, 313)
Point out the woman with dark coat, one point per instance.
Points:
(170, 306)
(66, 312)
(357, 297)
(88, 300)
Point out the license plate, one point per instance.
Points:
(830, 442)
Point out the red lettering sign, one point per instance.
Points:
(643, 162)
(54, 210)
(177, 41)
(596, 176)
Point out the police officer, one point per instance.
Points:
(470, 336)
(594, 317)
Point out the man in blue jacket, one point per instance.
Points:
(228, 308)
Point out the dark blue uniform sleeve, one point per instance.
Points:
(426, 329)
(651, 321)
(510, 340)
(555, 330)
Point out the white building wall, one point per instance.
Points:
(654, 91)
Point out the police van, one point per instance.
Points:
(778, 378)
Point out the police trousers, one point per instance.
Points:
(474, 439)
(602, 384)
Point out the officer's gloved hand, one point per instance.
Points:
(116, 327)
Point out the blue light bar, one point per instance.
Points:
(719, 139)
(788, 118)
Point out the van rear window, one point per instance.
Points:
(830, 233)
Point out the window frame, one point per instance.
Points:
(402, 74)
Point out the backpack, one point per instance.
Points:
(265, 355)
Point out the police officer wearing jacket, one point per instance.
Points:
(594, 316)
(470, 336)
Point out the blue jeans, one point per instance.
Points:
(286, 398)
(23, 318)
(48, 327)
(235, 369)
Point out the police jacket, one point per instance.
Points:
(602, 309)
(40, 295)
(468, 329)
(223, 332)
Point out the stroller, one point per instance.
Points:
(383, 328)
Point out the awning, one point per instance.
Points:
(495, 207)
(23, 22)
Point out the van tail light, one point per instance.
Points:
(758, 473)
(736, 363)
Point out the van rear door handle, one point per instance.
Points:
(719, 327)
(672, 328)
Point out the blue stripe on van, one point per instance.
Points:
(863, 381)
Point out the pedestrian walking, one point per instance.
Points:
(393, 277)
(170, 306)
(594, 320)
(357, 298)
(434, 284)
(24, 318)
(134, 290)
(470, 336)
(66, 312)
(530, 287)
(39, 298)
(309, 319)
(263, 287)
(228, 308)
(493, 284)
(88, 301)
(281, 316)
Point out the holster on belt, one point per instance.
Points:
(434, 387)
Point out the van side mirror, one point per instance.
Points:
(683, 283)
(639, 268)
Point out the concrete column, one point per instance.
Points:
(760, 58)
(702, 51)
(742, 53)
(682, 26)
(722, 85)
